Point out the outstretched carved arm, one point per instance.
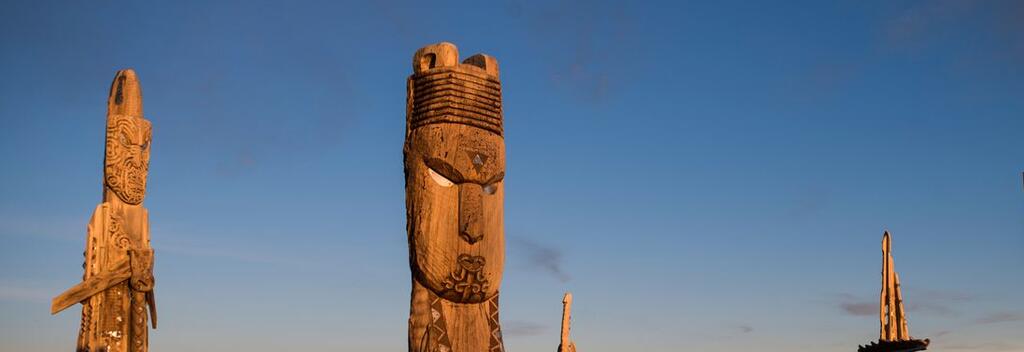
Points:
(138, 267)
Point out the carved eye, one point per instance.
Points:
(440, 180)
(123, 138)
(491, 188)
(145, 145)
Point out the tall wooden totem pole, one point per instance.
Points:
(454, 167)
(116, 291)
(893, 335)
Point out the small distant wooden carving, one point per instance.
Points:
(454, 167)
(894, 335)
(566, 344)
(116, 291)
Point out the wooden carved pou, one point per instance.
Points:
(454, 166)
(116, 291)
(893, 335)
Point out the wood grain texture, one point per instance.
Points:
(894, 333)
(87, 288)
(117, 287)
(455, 168)
(565, 342)
(892, 318)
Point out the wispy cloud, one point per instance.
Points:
(855, 305)
(584, 55)
(237, 254)
(932, 302)
(20, 292)
(522, 328)
(988, 346)
(930, 22)
(951, 296)
(859, 308)
(543, 257)
(1000, 317)
(44, 227)
(916, 23)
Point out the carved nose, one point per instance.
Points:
(471, 237)
(471, 212)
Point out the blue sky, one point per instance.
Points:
(710, 177)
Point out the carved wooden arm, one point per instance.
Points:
(138, 268)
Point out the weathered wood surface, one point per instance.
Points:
(91, 286)
(565, 342)
(892, 318)
(894, 334)
(115, 315)
(454, 167)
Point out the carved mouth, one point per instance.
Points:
(130, 181)
(136, 181)
(468, 283)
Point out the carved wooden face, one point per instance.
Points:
(454, 197)
(127, 161)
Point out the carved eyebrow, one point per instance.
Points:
(442, 167)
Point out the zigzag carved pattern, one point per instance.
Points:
(437, 330)
(496, 345)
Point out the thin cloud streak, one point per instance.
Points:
(213, 252)
(939, 303)
(1001, 317)
(522, 328)
(859, 308)
(988, 346)
(21, 293)
(544, 257)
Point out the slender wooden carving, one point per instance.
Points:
(893, 336)
(454, 166)
(116, 291)
(565, 343)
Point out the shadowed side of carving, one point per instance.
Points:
(497, 343)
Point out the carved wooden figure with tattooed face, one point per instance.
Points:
(116, 291)
(454, 168)
(127, 156)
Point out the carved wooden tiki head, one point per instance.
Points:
(454, 168)
(128, 135)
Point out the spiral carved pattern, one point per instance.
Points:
(117, 232)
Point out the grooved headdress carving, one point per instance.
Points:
(454, 169)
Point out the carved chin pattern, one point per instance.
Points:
(127, 159)
(128, 181)
(468, 283)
